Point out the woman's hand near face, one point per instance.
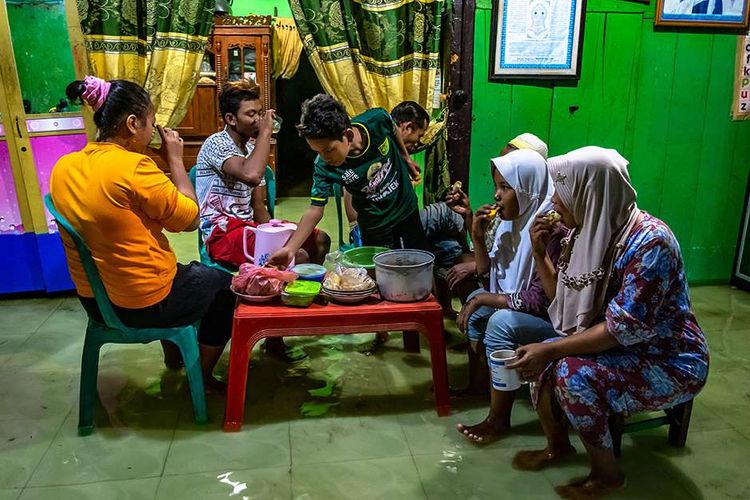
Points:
(540, 233)
(171, 144)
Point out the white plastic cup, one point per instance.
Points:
(504, 379)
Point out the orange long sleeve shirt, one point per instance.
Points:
(120, 202)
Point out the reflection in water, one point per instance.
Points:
(237, 487)
(451, 461)
(330, 376)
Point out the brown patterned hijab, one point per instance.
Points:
(594, 184)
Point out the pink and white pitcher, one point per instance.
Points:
(269, 237)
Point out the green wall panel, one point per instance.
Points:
(261, 7)
(42, 49)
(661, 98)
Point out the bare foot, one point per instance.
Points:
(380, 339)
(590, 488)
(539, 459)
(484, 432)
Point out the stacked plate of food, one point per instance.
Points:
(349, 285)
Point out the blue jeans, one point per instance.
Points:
(506, 328)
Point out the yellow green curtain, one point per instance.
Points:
(287, 48)
(157, 43)
(373, 53)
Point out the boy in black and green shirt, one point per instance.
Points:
(368, 157)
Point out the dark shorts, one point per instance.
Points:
(199, 293)
(408, 233)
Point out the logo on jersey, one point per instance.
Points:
(385, 147)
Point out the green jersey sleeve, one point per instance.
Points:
(322, 186)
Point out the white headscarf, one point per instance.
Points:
(511, 262)
(530, 141)
(523, 141)
(594, 184)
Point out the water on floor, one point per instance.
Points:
(339, 425)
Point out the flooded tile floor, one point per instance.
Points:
(340, 425)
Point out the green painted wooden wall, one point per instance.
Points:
(662, 98)
(261, 7)
(42, 49)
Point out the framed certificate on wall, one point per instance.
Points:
(536, 39)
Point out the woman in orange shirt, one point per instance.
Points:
(120, 202)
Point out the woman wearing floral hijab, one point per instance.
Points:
(629, 339)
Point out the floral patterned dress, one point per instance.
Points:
(662, 359)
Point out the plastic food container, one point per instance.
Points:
(404, 275)
(310, 272)
(300, 293)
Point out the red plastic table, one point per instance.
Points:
(253, 322)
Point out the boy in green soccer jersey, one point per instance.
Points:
(368, 157)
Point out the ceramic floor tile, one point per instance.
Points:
(23, 443)
(10, 344)
(385, 478)
(728, 400)
(729, 348)
(37, 394)
(376, 406)
(712, 465)
(110, 453)
(26, 315)
(261, 484)
(465, 475)
(201, 448)
(648, 474)
(714, 317)
(135, 489)
(427, 433)
(346, 438)
(68, 320)
(48, 351)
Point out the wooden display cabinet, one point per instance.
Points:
(242, 50)
(241, 47)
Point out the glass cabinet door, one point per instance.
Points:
(241, 63)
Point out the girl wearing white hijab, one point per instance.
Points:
(513, 312)
(461, 276)
(629, 341)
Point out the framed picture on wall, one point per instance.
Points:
(703, 13)
(536, 39)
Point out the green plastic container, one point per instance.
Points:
(303, 288)
(300, 293)
(361, 257)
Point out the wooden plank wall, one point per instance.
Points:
(662, 98)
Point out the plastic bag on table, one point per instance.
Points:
(332, 260)
(261, 281)
(348, 279)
